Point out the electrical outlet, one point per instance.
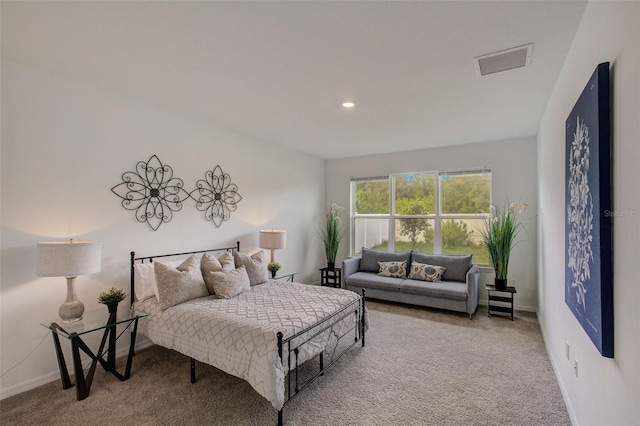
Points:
(575, 366)
(567, 351)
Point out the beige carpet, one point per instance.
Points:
(420, 367)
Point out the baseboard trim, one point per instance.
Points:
(556, 371)
(55, 375)
(30, 384)
(516, 307)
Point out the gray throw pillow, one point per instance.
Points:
(225, 285)
(456, 266)
(209, 264)
(370, 259)
(177, 285)
(255, 265)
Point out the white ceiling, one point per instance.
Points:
(278, 71)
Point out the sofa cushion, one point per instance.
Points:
(444, 289)
(425, 272)
(369, 280)
(457, 266)
(370, 259)
(393, 269)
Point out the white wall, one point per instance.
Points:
(513, 165)
(64, 145)
(605, 391)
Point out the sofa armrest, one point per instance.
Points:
(349, 266)
(473, 284)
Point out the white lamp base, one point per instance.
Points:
(72, 309)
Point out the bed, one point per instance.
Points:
(263, 335)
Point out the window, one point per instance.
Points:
(428, 212)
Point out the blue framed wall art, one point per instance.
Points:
(588, 218)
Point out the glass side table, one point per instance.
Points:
(91, 322)
(286, 277)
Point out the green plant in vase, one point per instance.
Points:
(499, 235)
(112, 297)
(273, 267)
(332, 234)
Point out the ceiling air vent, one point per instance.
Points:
(504, 60)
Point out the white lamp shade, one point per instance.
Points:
(68, 258)
(273, 239)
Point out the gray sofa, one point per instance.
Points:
(458, 290)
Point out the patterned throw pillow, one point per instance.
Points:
(209, 264)
(425, 272)
(255, 264)
(393, 269)
(177, 285)
(225, 285)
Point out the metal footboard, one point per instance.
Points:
(292, 382)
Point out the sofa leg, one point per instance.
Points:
(470, 316)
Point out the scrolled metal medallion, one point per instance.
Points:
(216, 196)
(154, 194)
(152, 191)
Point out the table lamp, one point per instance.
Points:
(69, 259)
(273, 239)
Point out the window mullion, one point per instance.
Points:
(392, 214)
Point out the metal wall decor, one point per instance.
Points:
(216, 196)
(154, 194)
(152, 191)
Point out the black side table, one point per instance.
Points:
(331, 277)
(506, 302)
(91, 322)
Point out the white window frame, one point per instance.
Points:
(438, 217)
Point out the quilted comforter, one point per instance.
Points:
(238, 335)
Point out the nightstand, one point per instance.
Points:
(285, 277)
(93, 321)
(331, 277)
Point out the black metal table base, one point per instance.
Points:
(83, 383)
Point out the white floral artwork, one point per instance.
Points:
(579, 213)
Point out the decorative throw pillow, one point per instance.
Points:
(145, 279)
(457, 266)
(177, 285)
(393, 269)
(225, 285)
(425, 272)
(255, 265)
(209, 264)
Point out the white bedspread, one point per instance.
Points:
(238, 335)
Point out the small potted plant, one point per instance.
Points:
(273, 267)
(498, 236)
(111, 298)
(331, 234)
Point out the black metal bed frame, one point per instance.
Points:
(357, 308)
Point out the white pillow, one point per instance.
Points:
(177, 285)
(256, 267)
(225, 285)
(145, 279)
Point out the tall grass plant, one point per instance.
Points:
(332, 232)
(499, 235)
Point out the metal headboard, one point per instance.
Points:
(151, 258)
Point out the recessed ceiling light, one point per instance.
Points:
(349, 104)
